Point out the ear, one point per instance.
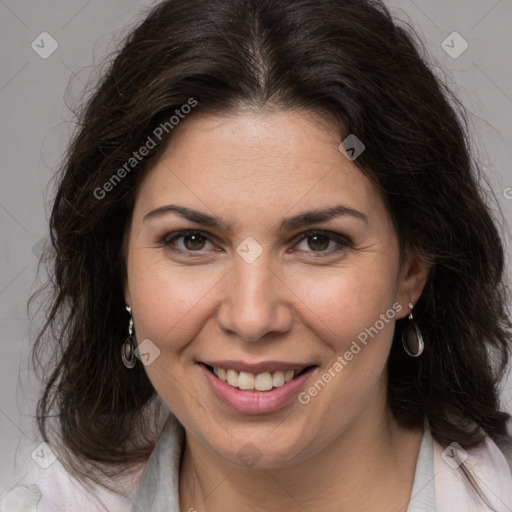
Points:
(413, 277)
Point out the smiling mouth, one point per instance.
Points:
(266, 381)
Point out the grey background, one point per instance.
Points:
(35, 128)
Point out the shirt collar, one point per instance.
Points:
(159, 486)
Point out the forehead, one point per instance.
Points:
(275, 161)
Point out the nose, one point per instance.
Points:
(256, 302)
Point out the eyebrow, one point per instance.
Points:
(289, 223)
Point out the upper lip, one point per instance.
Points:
(257, 368)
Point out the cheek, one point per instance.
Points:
(344, 304)
(355, 319)
(353, 311)
(170, 308)
(169, 302)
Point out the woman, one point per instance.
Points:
(269, 223)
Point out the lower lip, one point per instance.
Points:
(256, 402)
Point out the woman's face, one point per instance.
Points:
(267, 280)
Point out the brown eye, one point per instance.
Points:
(318, 242)
(322, 242)
(186, 241)
(194, 242)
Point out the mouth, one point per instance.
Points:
(256, 382)
(256, 387)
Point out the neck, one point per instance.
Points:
(353, 472)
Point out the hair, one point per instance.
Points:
(347, 58)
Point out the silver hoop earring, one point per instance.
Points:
(130, 344)
(412, 337)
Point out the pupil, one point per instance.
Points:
(319, 245)
(196, 242)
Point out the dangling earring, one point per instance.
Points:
(412, 337)
(130, 344)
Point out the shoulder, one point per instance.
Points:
(54, 490)
(21, 498)
(505, 446)
(487, 464)
(48, 487)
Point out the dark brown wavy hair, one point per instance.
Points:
(346, 58)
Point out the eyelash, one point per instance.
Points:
(342, 241)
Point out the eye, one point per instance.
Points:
(318, 243)
(186, 241)
(323, 242)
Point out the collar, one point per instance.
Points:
(438, 485)
(159, 485)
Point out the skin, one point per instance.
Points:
(300, 301)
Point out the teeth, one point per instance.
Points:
(245, 380)
(288, 375)
(261, 382)
(278, 379)
(232, 378)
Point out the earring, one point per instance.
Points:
(130, 344)
(412, 337)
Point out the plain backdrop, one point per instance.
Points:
(35, 93)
